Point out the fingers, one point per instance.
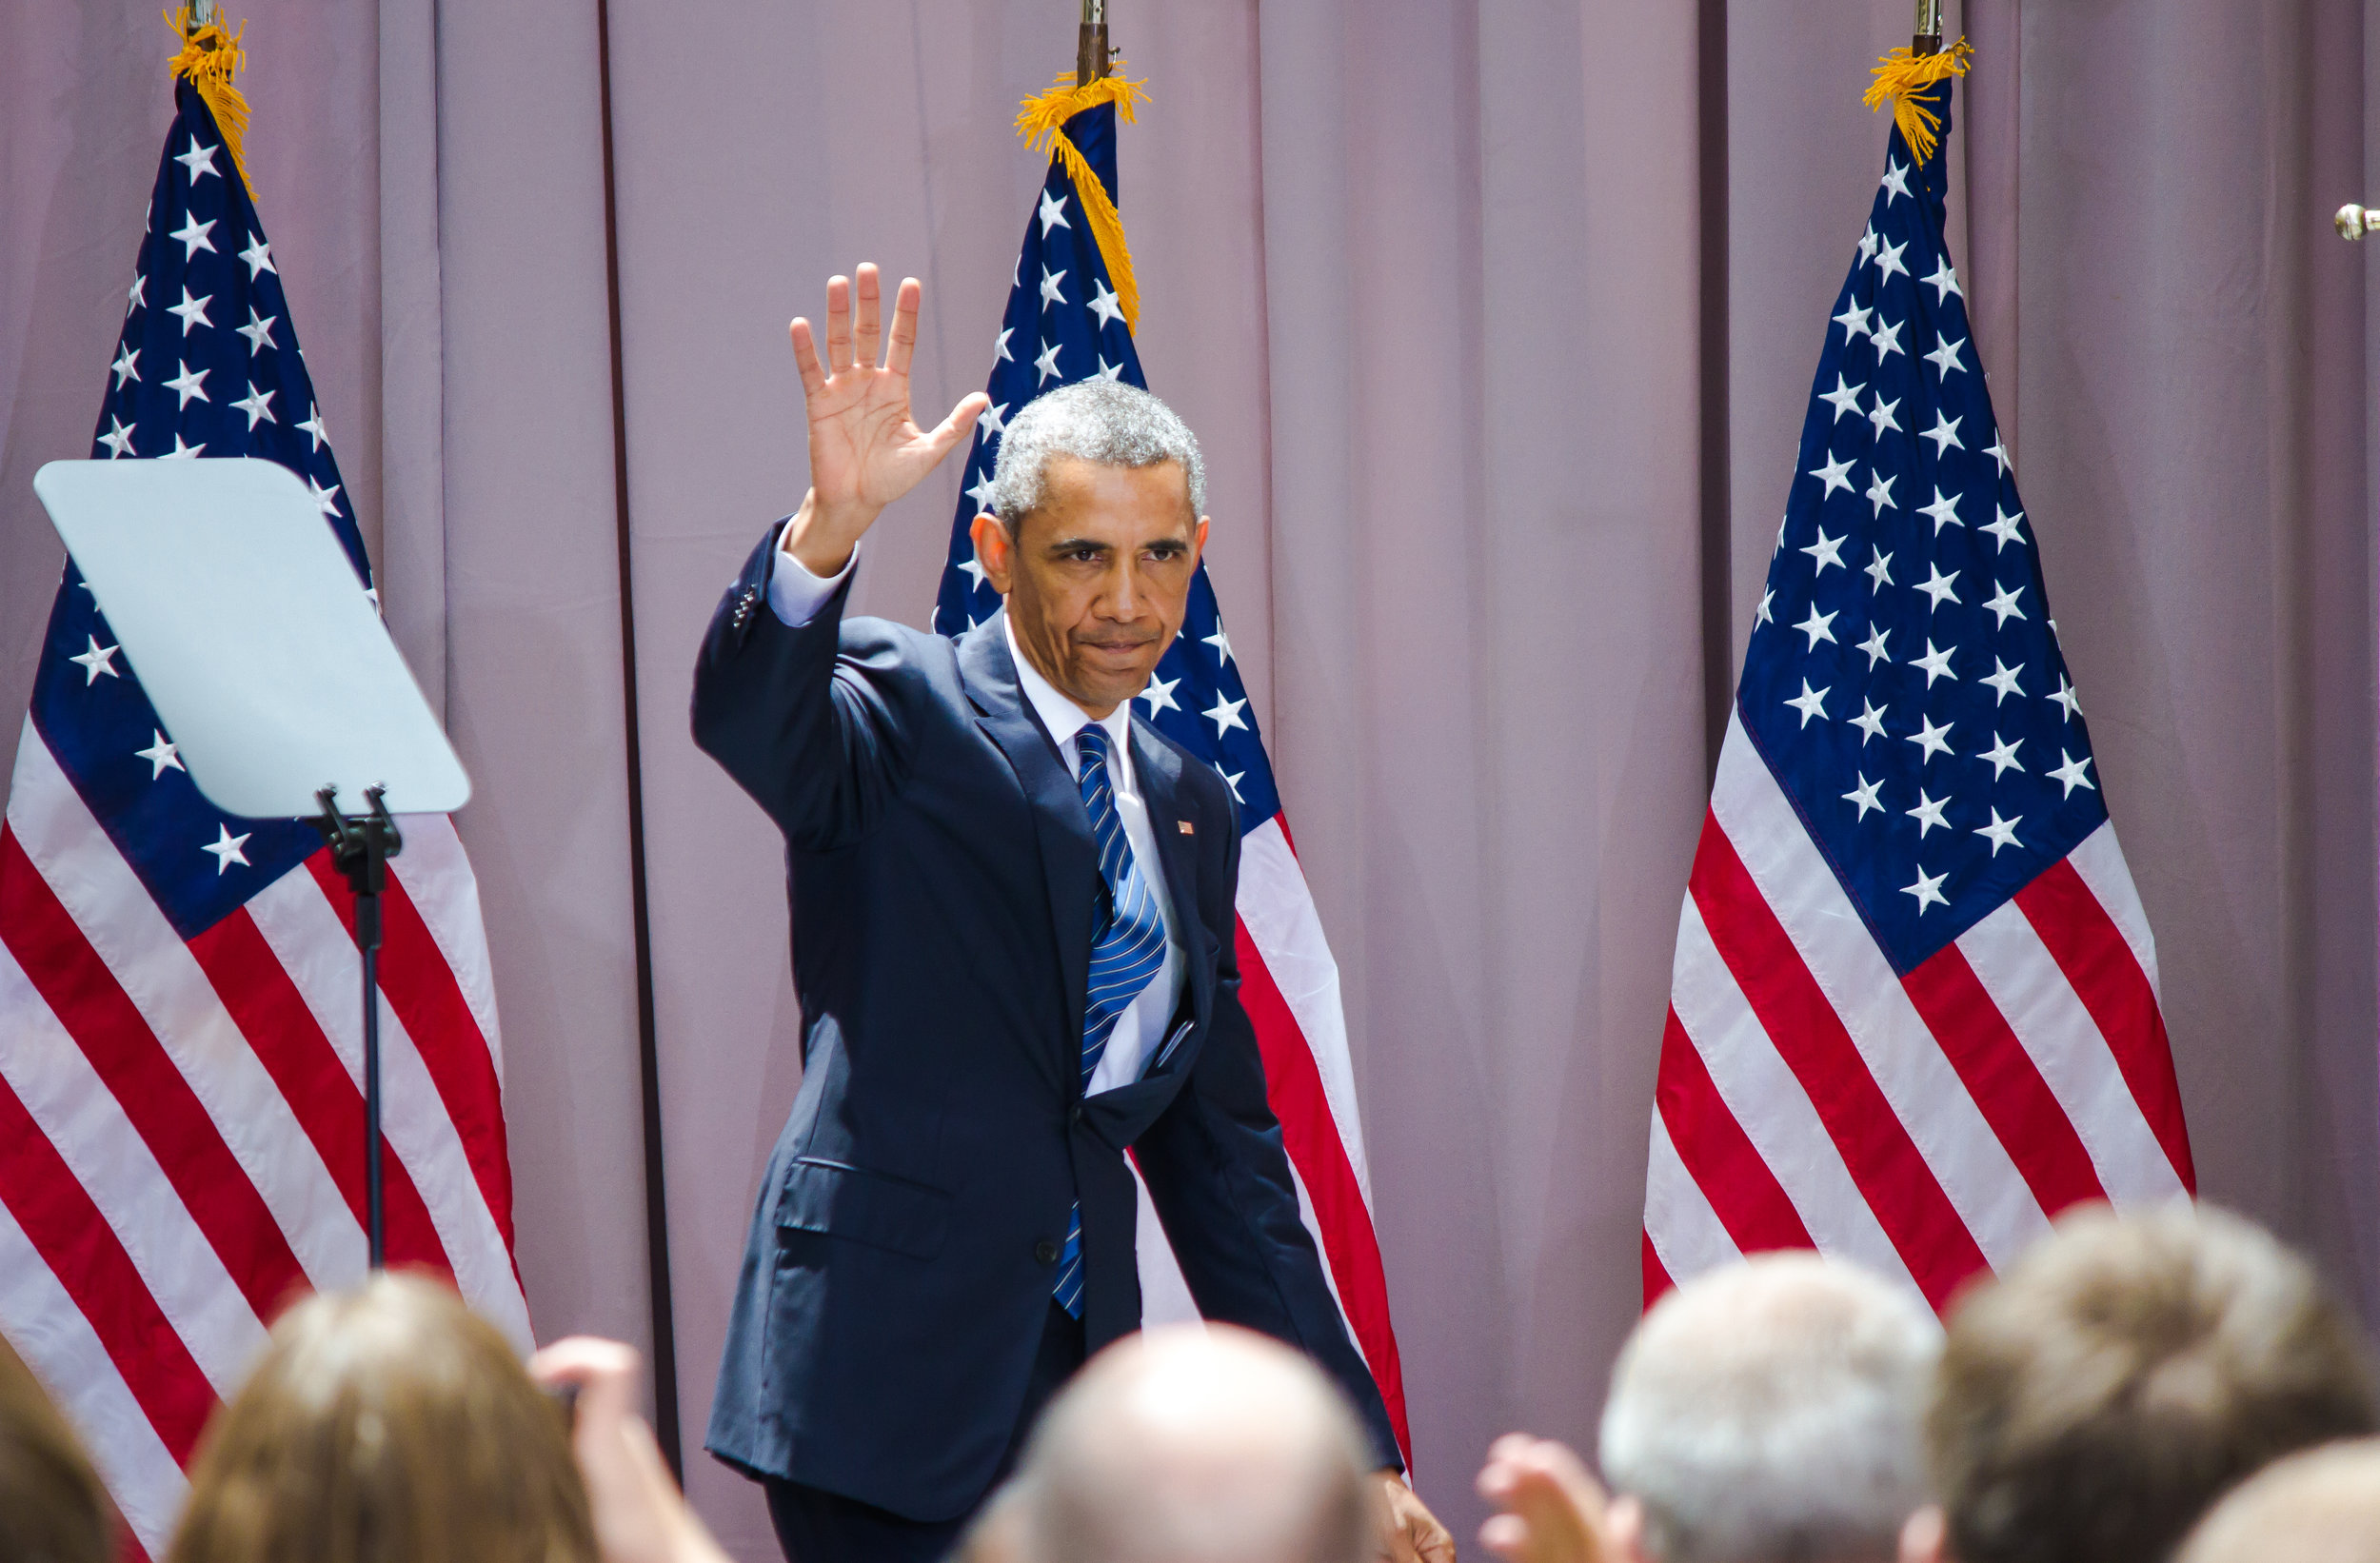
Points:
(806, 359)
(605, 1371)
(904, 326)
(954, 428)
(838, 323)
(867, 336)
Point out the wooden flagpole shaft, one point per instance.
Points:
(1090, 54)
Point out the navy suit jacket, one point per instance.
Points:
(942, 879)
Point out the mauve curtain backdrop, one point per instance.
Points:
(1498, 318)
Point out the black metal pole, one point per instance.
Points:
(367, 941)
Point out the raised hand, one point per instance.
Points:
(865, 447)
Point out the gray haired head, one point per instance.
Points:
(1100, 421)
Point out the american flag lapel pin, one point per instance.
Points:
(1185, 828)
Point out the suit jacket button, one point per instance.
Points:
(1045, 1252)
(1075, 1115)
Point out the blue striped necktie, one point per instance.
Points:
(1128, 951)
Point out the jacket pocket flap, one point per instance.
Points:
(866, 1207)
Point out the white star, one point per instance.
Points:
(136, 295)
(1870, 721)
(2004, 606)
(1944, 511)
(258, 406)
(1887, 340)
(2003, 526)
(259, 257)
(995, 421)
(1811, 702)
(1047, 365)
(192, 311)
(313, 424)
(199, 160)
(1761, 615)
(1230, 780)
(326, 499)
(1928, 890)
(192, 235)
(1053, 213)
(1881, 416)
(1945, 434)
(1853, 321)
(1929, 739)
(187, 385)
(1160, 694)
(1816, 626)
(1928, 814)
(226, 847)
(2072, 773)
(1880, 492)
(161, 756)
(181, 451)
(1865, 796)
(1834, 474)
(1827, 550)
(1945, 282)
(1107, 370)
(1844, 397)
(1896, 179)
(1874, 646)
(1224, 714)
(2066, 698)
(1050, 293)
(96, 660)
(125, 366)
(1868, 242)
(1000, 349)
(1945, 356)
(975, 572)
(1936, 664)
(981, 493)
(2002, 755)
(118, 439)
(1878, 568)
(1220, 641)
(2002, 681)
(1937, 585)
(258, 330)
(1999, 832)
(1997, 450)
(1103, 302)
(1888, 261)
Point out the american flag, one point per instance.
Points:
(1913, 1010)
(1066, 322)
(181, 1114)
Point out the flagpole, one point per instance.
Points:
(1929, 35)
(1090, 54)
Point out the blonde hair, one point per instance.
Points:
(387, 1424)
(51, 1505)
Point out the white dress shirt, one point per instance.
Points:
(795, 596)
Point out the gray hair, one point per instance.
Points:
(1773, 1410)
(1096, 420)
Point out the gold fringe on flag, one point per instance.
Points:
(1899, 77)
(211, 58)
(1041, 122)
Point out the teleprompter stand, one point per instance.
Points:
(361, 847)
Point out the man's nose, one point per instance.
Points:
(1125, 594)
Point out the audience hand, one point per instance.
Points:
(1549, 1510)
(640, 1515)
(1409, 1533)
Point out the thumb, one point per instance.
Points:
(957, 426)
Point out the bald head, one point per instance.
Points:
(1190, 1445)
(2319, 1507)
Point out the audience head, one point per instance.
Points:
(387, 1424)
(1186, 1445)
(2322, 1506)
(52, 1509)
(2125, 1372)
(1771, 1411)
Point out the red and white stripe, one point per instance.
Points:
(181, 1123)
(1928, 1124)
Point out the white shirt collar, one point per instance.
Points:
(1062, 716)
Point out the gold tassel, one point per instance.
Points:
(1041, 122)
(1900, 76)
(211, 58)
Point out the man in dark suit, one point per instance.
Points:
(1013, 945)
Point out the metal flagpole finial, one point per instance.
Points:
(1090, 54)
(1929, 36)
(2353, 222)
(201, 13)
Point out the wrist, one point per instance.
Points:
(823, 539)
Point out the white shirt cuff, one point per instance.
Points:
(794, 594)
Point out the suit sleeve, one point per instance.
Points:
(814, 729)
(1218, 1175)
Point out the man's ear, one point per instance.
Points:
(995, 550)
(1197, 537)
(1924, 1536)
(1623, 1527)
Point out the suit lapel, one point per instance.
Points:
(1061, 829)
(1158, 767)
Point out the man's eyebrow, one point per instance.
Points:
(1072, 544)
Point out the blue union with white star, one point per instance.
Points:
(207, 365)
(1904, 682)
(1063, 325)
